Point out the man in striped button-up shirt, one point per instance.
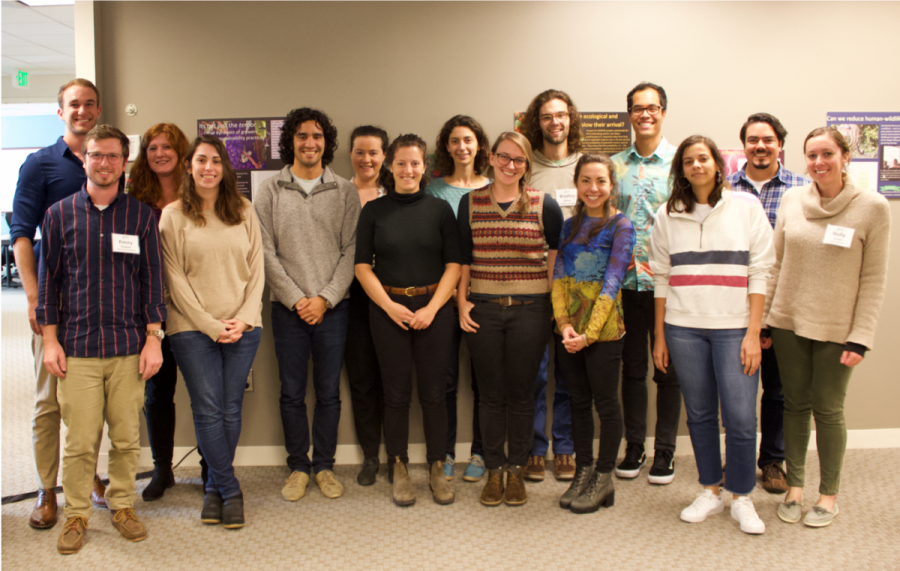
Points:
(100, 305)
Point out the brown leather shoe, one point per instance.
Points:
(774, 479)
(44, 514)
(492, 494)
(515, 486)
(534, 470)
(72, 536)
(564, 467)
(128, 524)
(98, 495)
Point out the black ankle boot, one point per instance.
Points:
(212, 508)
(162, 480)
(233, 512)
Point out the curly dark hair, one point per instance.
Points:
(580, 210)
(682, 198)
(644, 85)
(386, 178)
(771, 120)
(531, 123)
(442, 159)
(293, 121)
(229, 206)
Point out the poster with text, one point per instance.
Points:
(252, 145)
(604, 133)
(874, 140)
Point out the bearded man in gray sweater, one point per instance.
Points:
(308, 216)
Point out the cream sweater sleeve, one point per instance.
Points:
(872, 275)
(762, 251)
(251, 309)
(660, 263)
(775, 270)
(182, 298)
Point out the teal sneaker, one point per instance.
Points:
(475, 470)
(449, 472)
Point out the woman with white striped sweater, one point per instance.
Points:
(710, 252)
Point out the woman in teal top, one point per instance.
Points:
(461, 154)
(595, 249)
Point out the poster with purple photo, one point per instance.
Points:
(252, 145)
(874, 140)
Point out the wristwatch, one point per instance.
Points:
(327, 303)
(158, 333)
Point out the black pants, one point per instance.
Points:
(507, 351)
(453, 389)
(364, 374)
(429, 351)
(639, 324)
(159, 409)
(592, 374)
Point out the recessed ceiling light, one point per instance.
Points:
(40, 3)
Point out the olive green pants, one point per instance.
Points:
(813, 381)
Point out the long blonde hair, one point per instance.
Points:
(522, 142)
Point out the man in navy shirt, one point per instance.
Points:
(46, 177)
(100, 307)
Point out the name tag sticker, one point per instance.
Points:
(838, 236)
(566, 196)
(125, 244)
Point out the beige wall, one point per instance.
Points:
(410, 66)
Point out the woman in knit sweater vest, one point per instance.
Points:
(504, 306)
(596, 247)
(825, 293)
(710, 252)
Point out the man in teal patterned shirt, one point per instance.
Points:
(642, 171)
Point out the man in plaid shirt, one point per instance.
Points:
(763, 176)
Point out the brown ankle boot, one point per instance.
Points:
(440, 487)
(403, 492)
(515, 486)
(492, 494)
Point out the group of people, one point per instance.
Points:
(521, 244)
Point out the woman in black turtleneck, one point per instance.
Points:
(414, 241)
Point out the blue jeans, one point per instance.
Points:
(215, 375)
(708, 365)
(562, 412)
(295, 341)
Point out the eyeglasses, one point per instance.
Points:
(561, 116)
(651, 110)
(113, 158)
(504, 160)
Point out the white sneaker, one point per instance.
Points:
(704, 506)
(743, 511)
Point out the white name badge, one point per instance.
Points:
(566, 196)
(125, 244)
(838, 236)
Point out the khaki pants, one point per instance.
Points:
(92, 385)
(45, 425)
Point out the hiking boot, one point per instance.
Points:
(579, 483)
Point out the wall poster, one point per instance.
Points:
(874, 140)
(252, 145)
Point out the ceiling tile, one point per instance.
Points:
(54, 60)
(62, 14)
(46, 28)
(15, 13)
(10, 40)
(32, 50)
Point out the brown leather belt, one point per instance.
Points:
(411, 291)
(507, 301)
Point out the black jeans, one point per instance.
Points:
(639, 324)
(366, 392)
(429, 351)
(592, 374)
(453, 389)
(507, 351)
(771, 417)
(159, 409)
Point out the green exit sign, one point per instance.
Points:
(20, 80)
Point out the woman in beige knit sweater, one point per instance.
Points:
(212, 250)
(825, 293)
